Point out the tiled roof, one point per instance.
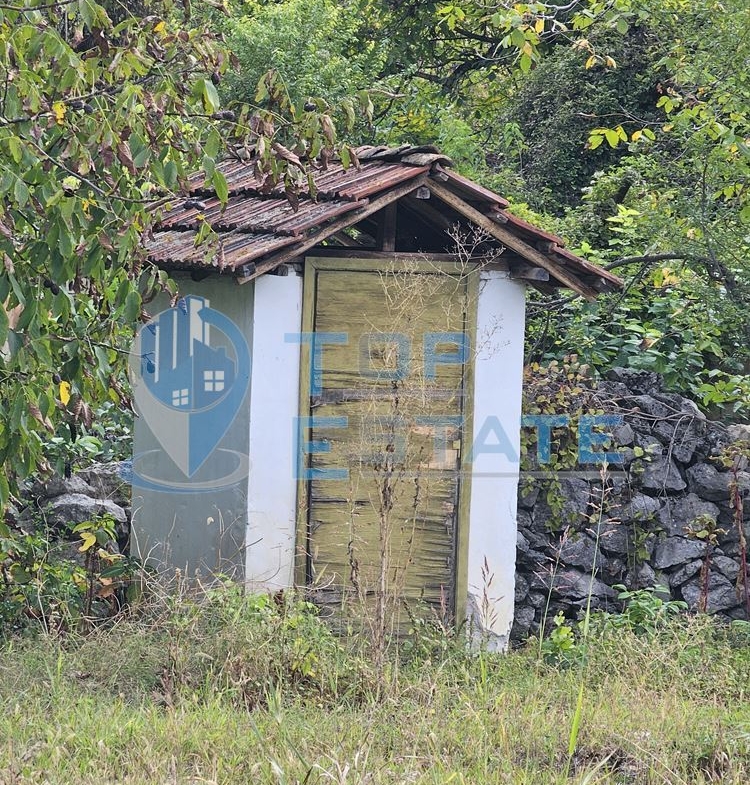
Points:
(261, 227)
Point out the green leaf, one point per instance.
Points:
(170, 174)
(3, 326)
(345, 156)
(612, 137)
(103, 362)
(65, 242)
(115, 570)
(87, 11)
(211, 100)
(20, 192)
(132, 306)
(204, 231)
(213, 144)
(261, 92)
(15, 148)
(220, 184)
(209, 167)
(19, 575)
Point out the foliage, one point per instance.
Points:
(556, 397)
(670, 214)
(557, 388)
(36, 585)
(629, 121)
(46, 585)
(259, 643)
(102, 117)
(668, 321)
(560, 644)
(313, 45)
(644, 612)
(556, 106)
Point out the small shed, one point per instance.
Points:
(340, 386)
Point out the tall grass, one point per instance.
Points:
(231, 689)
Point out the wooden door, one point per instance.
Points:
(381, 522)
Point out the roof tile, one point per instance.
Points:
(253, 224)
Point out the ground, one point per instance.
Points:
(238, 692)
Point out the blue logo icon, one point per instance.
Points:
(190, 370)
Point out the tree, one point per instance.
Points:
(630, 120)
(102, 117)
(673, 212)
(314, 45)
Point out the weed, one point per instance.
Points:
(561, 643)
(644, 610)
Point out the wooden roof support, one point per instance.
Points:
(345, 240)
(412, 256)
(510, 240)
(386, 240)
(527, 272)
(430, 214)
(336, 226)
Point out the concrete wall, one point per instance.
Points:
(274, 405)
(191, 530)
(495, 456)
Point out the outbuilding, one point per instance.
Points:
(335, 401)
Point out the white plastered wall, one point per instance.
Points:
(274, 405)
(495, 457)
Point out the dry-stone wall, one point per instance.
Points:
(667, 519)
(58, 504)
(669, 489)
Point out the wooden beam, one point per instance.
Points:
(430, 214)
(414, 256)
(387, 228)
(510, 240)
(349, 219)
(345, 240)
(527, 272)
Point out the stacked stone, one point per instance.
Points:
(57, 505)
(667, 490)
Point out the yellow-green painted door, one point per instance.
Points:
(388, 402)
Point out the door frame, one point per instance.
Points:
(362, 263)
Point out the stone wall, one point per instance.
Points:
(666, 517)
(56, 505)
(669, 490)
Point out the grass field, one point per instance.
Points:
(234, 690)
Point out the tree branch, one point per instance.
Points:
(24, 8)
